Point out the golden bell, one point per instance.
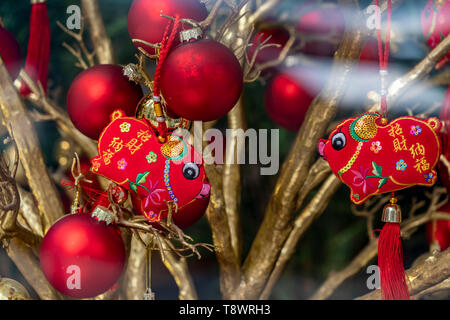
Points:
(392, 212)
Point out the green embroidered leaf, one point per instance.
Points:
(382, 183)
(141, 177)
(377, 170)
(133, 186)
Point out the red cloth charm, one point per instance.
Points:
(372, 158)
(436, 25)
(153, 172)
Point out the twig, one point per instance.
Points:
(45, 104)
(81, 49)
(100, 39)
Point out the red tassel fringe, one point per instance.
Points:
(390, 262)
(38, 52)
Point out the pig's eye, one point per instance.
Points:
(338, 141)
(191, 170)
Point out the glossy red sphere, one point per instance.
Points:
(96, 93)
(321, 29)
(435, 21)
(278, 36)
(201, 80)
(444, 117)
(145, 22)
(442, 230)
(10, 53)
(82, 257)
(289, 94)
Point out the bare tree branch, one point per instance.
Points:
(100, 39)
(14, 112)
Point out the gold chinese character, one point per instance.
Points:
(395, 130)
(417, 150)
(144, 135)
(422, 165)
(117, 144)
(107, 155)
(133, 146)
(400, 145)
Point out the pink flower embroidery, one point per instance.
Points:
(153, 195)
(360, 179)
(122, 164)
(376, 146)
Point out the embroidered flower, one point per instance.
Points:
(125, 127)
(429, 177)
(153, 196)
(376, 146)
(122, 164)
(415, 130)
(401, 165)
(360, 179)
(151, 157)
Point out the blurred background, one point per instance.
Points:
(338, 235)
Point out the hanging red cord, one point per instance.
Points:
(166, 44)
(383, 56)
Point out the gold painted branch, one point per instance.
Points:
(30, 154)
(100, 39)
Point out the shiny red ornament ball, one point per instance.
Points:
(435, 20)
(440, 231)
(10, 53)
(96, 93)
(201, 80)
(82, 257)
(145, 22)
(320, 29)
(278, 36)
(289, 94)
(444, 117)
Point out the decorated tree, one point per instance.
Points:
(106, 176)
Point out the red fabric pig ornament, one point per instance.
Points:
(372, 158)
(154, 173)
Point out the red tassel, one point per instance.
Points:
(390, 262)
(38, 52)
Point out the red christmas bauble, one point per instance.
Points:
(201, 80)
(441, 230)
(435, 21)
(444, 117)
(96, 93)
(82, 257)
(145, 22)
(321, 29)
(10, 53)
(279, 36)
(289, 94)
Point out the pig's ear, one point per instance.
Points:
(365, 127)
(321, 147)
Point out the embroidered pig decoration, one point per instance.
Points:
(155, 174)
(372, 158)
